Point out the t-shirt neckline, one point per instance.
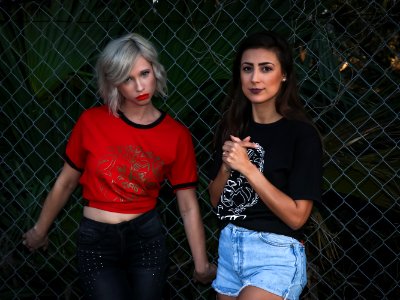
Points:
(142, 126)
(276, 123)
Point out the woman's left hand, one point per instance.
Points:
(207, 275)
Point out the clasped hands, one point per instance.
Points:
(234, 152)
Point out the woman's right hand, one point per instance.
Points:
(33, 239)
(66, 182)
(234, 153)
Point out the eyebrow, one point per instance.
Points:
(140, 72)
(260, 64)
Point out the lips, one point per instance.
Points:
(255, 91)
(143, 97)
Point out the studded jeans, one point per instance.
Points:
(123, 261)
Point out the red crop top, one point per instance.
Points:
(123, 164)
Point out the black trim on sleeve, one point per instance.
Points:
(69, 161)
(185, 185)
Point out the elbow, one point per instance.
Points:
(300, 215)
(70, 186)
(296, 225)
(66, 186)
(297, 222)
(214, 195)
(214, 199)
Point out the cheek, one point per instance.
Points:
(153, 82)
(244, 87)
(150, 84)
(244, 81)
(123, 90)
(276, 82)
(127, 90)
(243, 78)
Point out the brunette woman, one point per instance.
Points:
(266, 177)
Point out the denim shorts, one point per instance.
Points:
(272, 262)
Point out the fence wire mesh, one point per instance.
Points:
(348, 61)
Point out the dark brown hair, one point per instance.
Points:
(238, 113)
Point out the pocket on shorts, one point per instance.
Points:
(287, 255)
(278, 240)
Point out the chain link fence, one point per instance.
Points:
(348, 61)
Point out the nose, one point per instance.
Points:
(139, 86)
(254, 76)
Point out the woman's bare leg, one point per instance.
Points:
(255, 293)
(224, 297)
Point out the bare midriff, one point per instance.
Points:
(108, 217)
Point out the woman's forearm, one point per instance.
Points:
(193, 224)
(57, 197)
(216, 186)
(36, 237)
(292, 212)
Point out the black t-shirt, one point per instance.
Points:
(289, 156)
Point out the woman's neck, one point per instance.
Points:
(265, 116)
(143, 115)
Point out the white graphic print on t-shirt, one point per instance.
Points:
(238, 193)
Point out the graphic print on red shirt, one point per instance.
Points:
(128, 172)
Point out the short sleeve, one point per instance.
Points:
(75, 154)
(306, 176)
(183, 172)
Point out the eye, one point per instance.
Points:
(128, 79)
(266, 69)
(145, 73)
(247, 69)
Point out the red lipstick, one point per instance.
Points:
(143, 97)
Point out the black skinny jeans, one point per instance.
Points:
(123, 261)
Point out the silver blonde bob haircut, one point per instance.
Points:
(115, 63)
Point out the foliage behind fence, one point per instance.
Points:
(348, 61)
